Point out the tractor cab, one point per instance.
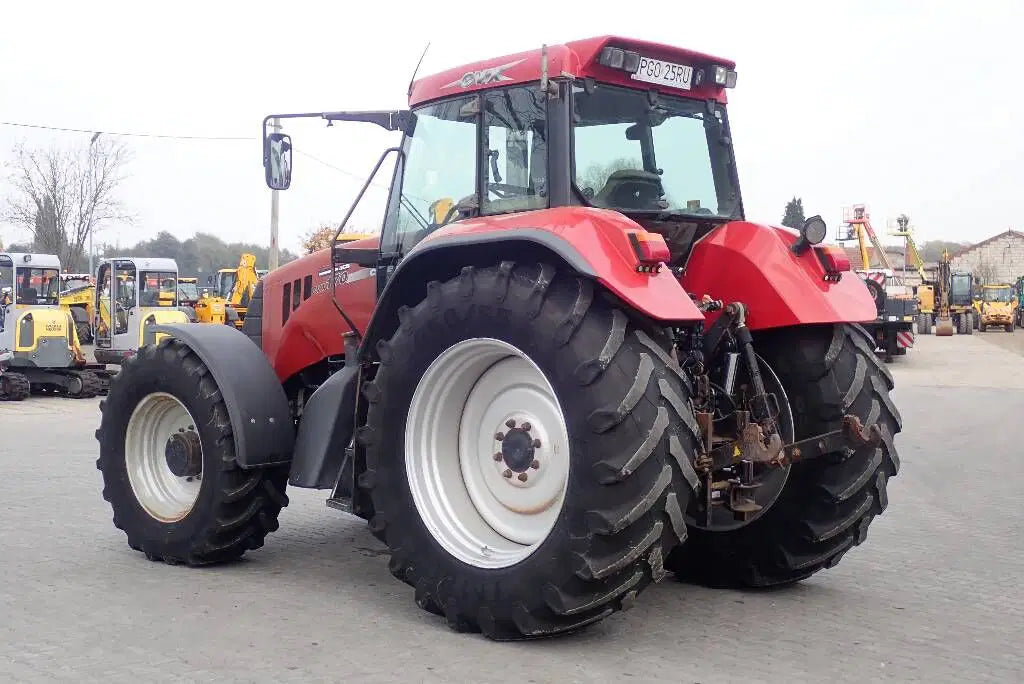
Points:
(132, 296)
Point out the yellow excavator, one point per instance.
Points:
(77, 293)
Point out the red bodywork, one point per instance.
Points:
(754, 264)
(738, 261)
(577, 58)
(314, 328)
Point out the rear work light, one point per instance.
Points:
(651, 251)
(617, 58)
(717, 75)
(834, 260)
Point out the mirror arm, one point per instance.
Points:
(388, 120)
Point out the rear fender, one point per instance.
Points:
(325, 431)
(261, 421)
(754, 264)
(593, 243)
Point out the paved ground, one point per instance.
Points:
(934, 595)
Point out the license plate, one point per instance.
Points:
(663, 73)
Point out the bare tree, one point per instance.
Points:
(984, 272)
(61, 195)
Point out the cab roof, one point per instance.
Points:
(578, 59)
(34, 260)
(148, 263)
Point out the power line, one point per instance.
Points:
(128, 134)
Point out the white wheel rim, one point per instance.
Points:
(486, 512)
(164, 495)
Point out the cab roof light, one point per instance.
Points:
(650, 250)
(716, 75)
(617, 58)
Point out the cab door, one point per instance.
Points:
(126, 312)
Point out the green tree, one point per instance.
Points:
(794, 214)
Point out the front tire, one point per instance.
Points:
(169, 467)
(828, 502)
(606, 396)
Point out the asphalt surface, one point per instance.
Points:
(933, 595)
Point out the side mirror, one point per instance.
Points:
(277, 160)
(209, 280)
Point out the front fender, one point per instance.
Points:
(592, 242)
(754, 264)
(261, 420)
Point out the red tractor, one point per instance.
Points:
(567, 365)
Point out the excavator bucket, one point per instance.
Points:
(944, 326)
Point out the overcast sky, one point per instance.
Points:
(906, 106)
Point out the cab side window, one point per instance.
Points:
(514, 156)
(439, 176)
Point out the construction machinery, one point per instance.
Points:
(1019, 292)
(896, 309)
(998, 307)
(953, 299)
(925, 291)
(133, 297)
(78, 300)
(38, 338)
(534, 383)
(235, 287)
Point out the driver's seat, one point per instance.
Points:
(632, 189)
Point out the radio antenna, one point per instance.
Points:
(417, 69)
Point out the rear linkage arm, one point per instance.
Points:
(749, 445)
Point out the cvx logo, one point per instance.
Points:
(484, 76)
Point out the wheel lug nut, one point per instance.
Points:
(523, 477)
(500, 436)
(527, 426)
(536, 444)
(535, 464)
(498, 456)
(510, 423)
(507, 474)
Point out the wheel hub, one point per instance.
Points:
(184, 453)
(518, 447)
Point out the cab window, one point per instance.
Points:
(514, 156)
(439, 177)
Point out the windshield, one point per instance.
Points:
(961, 284)
(39, 286)
(672, 156)
(158, 288)
(188, 291)
(73, 283)
(998, 294)
(227, 282)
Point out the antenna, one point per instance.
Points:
(417, 69)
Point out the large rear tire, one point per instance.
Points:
(827, 503)
(612, 418)
(169, 467)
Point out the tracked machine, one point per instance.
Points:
(38, 339)
(567, 366)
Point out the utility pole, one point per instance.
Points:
(276, 125)
(91, 206)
